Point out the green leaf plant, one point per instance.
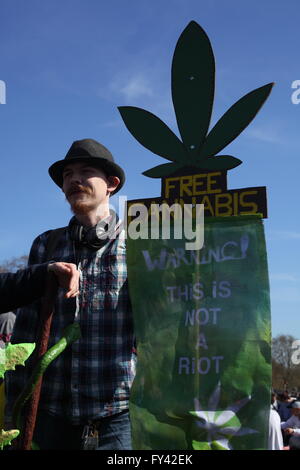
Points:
(193, 86)
(17, 354)
(13, 355)
(10, 357)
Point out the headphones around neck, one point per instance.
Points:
(97, 236)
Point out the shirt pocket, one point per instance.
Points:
(113, 272)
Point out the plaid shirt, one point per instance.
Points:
(92, 377)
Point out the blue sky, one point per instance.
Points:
(68, 64)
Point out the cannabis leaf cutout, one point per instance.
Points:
(7, 436)
(13, 355)
(193, 86)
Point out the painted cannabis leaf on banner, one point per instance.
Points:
(193, 87)
(219, 426)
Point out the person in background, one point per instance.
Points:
(291, 427)
(294, 443)
(284, 409)
(7, 321)
(275, 440)
(275, 405)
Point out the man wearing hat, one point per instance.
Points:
(292, 425)
(85, 392)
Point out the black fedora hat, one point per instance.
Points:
(94, 154)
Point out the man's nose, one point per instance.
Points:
(76, 177)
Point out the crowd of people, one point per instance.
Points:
(284, 426)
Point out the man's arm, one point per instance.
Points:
(291, 426)
(26, 285)
(291, 431)
(287, 424)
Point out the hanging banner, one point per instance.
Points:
(202, 319)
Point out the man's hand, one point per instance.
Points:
(67, 276)
(289, 431)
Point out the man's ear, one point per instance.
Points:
(112, 183)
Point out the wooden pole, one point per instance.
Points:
(42, 345)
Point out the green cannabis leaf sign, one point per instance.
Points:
(193, 86)
(7, 436)
(13, 355)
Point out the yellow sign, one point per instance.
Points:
(209, 189)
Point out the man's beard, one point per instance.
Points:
(81, 206)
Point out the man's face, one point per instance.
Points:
(296, 412)
(86, 187)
